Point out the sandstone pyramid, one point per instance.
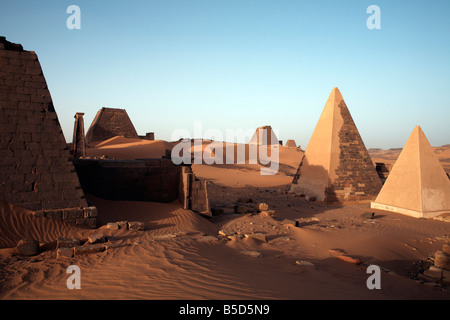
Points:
(108, 123)
(291, 144)
(417, 185)
(264, 136)
(35, 171)
(336, 166)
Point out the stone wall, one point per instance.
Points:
(35, 170)
(153, 180)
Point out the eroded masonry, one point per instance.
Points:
(35, 169)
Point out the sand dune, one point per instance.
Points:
(182, 256)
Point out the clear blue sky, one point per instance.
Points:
(244, 63)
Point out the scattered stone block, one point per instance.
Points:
(93, 248)
(305, 263)
(122, 225)
(112, 226)
(27, 247)
(65, 252)
(368, 215)
(109, 246)
(263, 207)
(67, 242)
(239, 208)
(434, 272)
(251, 253)
(136, 225)
(96, 238)
(257, 236)
(442, 260)
(290, 222)
(446, 249)
(225, 233)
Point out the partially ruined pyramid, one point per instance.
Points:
(264, 136)
(336, 166)
(108, 123)
(291, 144)
(417, 185)
(35, 171)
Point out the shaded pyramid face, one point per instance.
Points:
(336, 166)
(417, 185)
(108, 123)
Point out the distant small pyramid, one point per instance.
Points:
(417, 185)
(108, 123)
(264, 136)
(336, 166)
(291, 144)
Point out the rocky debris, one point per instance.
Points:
(290, 222)
(87, 249)
(268, 213)
(262, 207)
(96, 238)
(235, 237)
(67, 242)
(244, 200)
(257, 236)
(310, 198)
(112, 226)
(368, 215)
(109, 246)
(126, 225)
(225, 233)
(251, 253)
(26, 247)
(136, 225)
(65, 252)
(165, 236)
(442, 260)
(305, 263)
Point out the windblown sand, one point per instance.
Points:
(176, 257)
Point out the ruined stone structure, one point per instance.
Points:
(108, 123)
(336, 166)
(79, 139)
(155, 180)
(148, 136)
(417, 185)
(35, 171)
(382, 170)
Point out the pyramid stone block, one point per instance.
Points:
(417, 185)
(336, 166)
(35, 170)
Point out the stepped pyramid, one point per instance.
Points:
(336, 166)
(108, 123)
(35, 171)
(417, 185)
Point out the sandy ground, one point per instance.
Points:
(182, 255)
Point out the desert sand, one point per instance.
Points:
(182, 255)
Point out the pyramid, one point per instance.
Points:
(417, 185)
(108, 123)
(35, 171)
(264, 136)
(336, 166)
(291, 144)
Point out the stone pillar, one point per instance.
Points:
(150, 136)
(79, 140)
